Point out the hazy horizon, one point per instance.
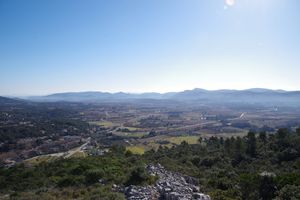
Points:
(114, 92)
(148, 46)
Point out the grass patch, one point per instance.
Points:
(40, 159)
(106, 124)
(136, 149)
(130, 128)
(165, 141)
(188, 139)
(155, 145)
(79, 154)
(134, 135)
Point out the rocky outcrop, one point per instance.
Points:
(141, 193)
(170, 186)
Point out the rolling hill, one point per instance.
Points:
(253, 96)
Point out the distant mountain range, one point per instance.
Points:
(4, 101)
(254, 95)
(98, 96)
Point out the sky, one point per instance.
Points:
(52, 46)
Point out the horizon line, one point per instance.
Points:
(127, 92)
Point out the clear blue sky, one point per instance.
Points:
(49, 46)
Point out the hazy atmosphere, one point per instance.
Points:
(149, 99)
(148, 46)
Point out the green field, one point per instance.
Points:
(106, 124)
(143, 145)
(136, 149)
(155, 145)
(79, 154)
(40, 159)
(188, 139)
(129, 134)
(130, 128)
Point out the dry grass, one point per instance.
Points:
(78, 154)
(136, 149)
(134, 135)
(180, 139)
(40, 159)
(106, 124)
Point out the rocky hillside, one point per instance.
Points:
(170, 186)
